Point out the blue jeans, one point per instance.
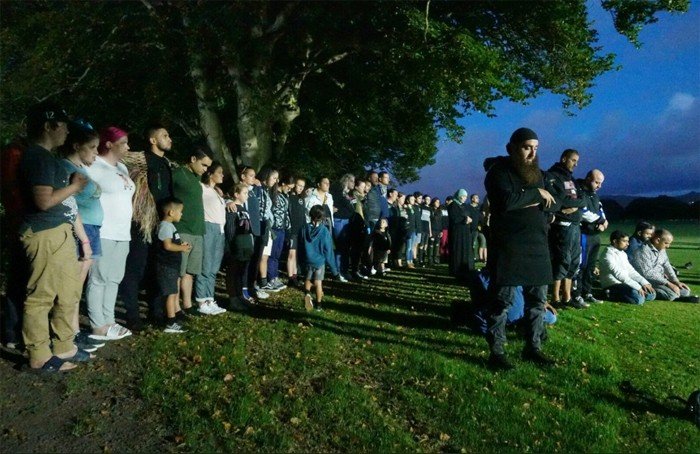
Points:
(273, 263)
(409, 246)
(213, 252)
(340, 235)
(626, 294)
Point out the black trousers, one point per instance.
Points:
(139, 263)
(502, 298)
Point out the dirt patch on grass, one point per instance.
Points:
(96, 407)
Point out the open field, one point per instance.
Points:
(380, 369)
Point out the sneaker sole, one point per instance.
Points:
(308, 304)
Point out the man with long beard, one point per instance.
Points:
(520, 255)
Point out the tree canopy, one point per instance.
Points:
(317, 87)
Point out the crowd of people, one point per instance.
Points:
(92, 219)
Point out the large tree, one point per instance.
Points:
(320, 87)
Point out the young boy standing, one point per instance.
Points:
(318, 250)
(168, 260)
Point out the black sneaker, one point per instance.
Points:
(318, 307)
(576, 304)
(499, 362)
(238, 305)
(537, 357)
(87, 343)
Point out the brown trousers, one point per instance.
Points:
(53, 291)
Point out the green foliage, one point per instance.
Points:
(317, 87)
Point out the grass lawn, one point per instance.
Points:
(381, 369)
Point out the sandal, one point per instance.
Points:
(114, 332)
(52, 366)
(81, 356)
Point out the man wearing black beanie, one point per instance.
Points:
(519, 256)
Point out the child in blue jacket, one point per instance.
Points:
(318, 251)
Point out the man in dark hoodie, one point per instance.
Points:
(519, 254)
(565, 233)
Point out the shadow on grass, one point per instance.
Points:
(446, 348)
(638, 405)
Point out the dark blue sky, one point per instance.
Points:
(642, 128)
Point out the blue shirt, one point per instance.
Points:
(88, 199)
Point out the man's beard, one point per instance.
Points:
(528, 171)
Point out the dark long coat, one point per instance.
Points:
(460, 241)
(518, 248)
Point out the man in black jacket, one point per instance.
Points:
(519, 257)
(593, 222)
(565, 233)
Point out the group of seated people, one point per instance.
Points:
(637, 269)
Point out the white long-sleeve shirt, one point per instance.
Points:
(615, 268)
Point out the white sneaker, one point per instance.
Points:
(174, 328)
(372, 271)
(216, 308)
(341, 278)
(386, 269)
(262, 295)
(206, 308)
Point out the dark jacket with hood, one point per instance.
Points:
(318, 247)
(559, 181)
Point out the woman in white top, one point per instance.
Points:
(107, 271)
(213, 251)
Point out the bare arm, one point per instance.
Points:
(169, 246)
(83, 238)
(46, 197)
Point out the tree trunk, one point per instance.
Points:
(209, 120)
(254, 129)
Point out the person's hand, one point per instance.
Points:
(605, 225)
(87, 250)
(648, 288)
(596, 271)
(231, 207)
(674, 288)
(335, 210)
(642, 292)
(547, 198)
(569, 210)
(79, 180)
(187, 246)
(550, 308)
(682, 285)
(440, 235)
(469, 220)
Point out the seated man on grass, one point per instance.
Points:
(619, 278)
(651, 261)
(642, 234)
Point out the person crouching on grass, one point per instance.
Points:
(169, 260)
(381, 246)
(318, 249)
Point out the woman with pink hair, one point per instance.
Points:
(107, 271)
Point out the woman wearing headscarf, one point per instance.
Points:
(461, 259)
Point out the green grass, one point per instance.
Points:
(381, 369)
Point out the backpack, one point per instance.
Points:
(13, 199)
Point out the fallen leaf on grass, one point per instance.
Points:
(444, 437)
(295, 421)
(228, 378)
(249, 430)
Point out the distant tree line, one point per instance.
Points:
(654, 208)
